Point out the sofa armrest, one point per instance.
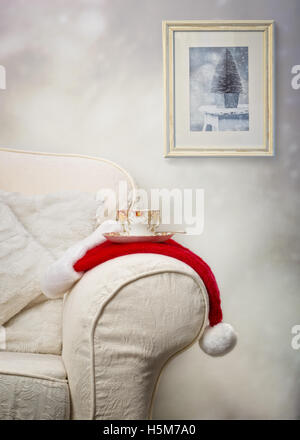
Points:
(122, 322)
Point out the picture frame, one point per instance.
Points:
(218, 88)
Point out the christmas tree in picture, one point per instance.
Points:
(227, 80)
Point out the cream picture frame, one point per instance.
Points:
(207, 64)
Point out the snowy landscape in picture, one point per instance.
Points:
(219, 89)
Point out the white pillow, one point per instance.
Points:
(35, 231)
(57, 220)
(37, 328)
(22, 261)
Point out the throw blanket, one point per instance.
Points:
(107, 251)
(218, 339)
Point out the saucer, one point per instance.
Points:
(123, 237)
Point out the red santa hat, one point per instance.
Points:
(218, 338)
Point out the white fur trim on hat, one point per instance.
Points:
(218, 340)
(61, 276)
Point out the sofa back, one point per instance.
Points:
(40, 173)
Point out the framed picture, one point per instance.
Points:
(218, 80)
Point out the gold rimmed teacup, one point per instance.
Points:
(139, 221)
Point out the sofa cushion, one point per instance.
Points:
(33, 386)
(37, 328)
(45, 366)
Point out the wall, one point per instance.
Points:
(86, 77)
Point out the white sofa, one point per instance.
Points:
(122, 322)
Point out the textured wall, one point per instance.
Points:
(85, 76)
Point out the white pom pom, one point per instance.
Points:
(218, 340)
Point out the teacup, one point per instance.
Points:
(140, 222)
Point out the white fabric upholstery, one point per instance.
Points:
(41, 173)
(27, 398)
(122, 322)
(33, 386)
